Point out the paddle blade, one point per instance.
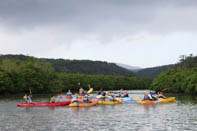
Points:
(90, 90)
(165, 89)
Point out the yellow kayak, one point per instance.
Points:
(167, 100)
(111, 102)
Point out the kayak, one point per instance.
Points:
(92, 103)
(137, 99)
(125, 99)
(43, 104)
(110, 102)
(148, 102)
(167, 100)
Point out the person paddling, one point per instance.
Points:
(160, 95)
(126, 94)
(69, 93)
(147, 96)
(52, 100)
(81, 92)
(86, 98)
(29, 98)
(25, 97)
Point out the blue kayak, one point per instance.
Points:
(125, 99)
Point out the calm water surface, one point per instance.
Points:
(178, 116)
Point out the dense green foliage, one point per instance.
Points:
(182, 79)
(187, 61)
(153, 72)
(21, 75)
(179, 80)
(107, 82)
(78, 66)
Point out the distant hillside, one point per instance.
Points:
(78, 66)
(132, 68)
(154, 71)
(88, 67)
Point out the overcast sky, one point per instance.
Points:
(142, 33)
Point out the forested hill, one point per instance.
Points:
(88, 67)
(78, 66)
(154, 71)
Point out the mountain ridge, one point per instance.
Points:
(77, 66)
(129, 67)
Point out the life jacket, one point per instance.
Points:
(28, 98)
(74, 98)
(25, 97)
(69, 94)
(85, 99)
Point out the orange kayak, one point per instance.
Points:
(92, 103)
(148, 102)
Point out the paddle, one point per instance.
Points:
(30, 95)
(30, 91)
(165, 89)
(90, 90)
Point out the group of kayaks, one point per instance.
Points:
(96, 101)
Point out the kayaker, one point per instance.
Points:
(52, 100)
(160, 95)
(113, 97)
(69, 93)
(81, 92)
(86, 98)
(29, 98)
(119, 94)
(147, 96)
(100, 91)
(25, 97)
(153, 95)
(75, 99)
(126, 94)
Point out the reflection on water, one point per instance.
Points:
(177, 116)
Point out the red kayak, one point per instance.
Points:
(42, 104)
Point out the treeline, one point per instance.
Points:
(182, 79)
(78, 66)
(19, 76)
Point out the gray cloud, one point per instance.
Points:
(78, 28)
(103, 16)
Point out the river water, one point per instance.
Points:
(178, 116)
